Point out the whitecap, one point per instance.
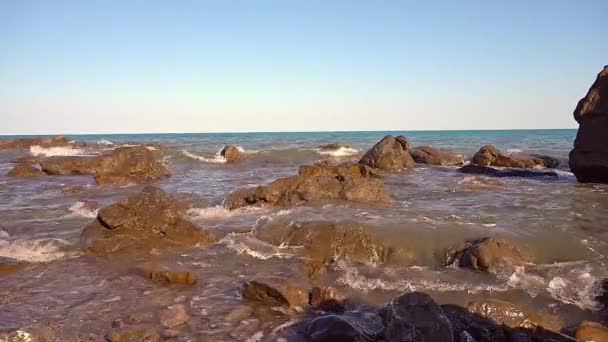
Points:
(81, 209)
(217, 159)
(105, 142)
(37, 250)
(54, 151)
(514, 150)
(249, 245)
(342, 151)
(219, 212)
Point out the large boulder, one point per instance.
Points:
(435, 156)
(133, 164)
(589, 158)
(489, 155)
(487, 255)
(231, 153)
(25, 170)
(414, 317)
(147, 220)
(27, 143)
(389, 154)
(351, 182)
(509, 172)
(591, 331)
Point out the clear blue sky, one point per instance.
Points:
(215, 66)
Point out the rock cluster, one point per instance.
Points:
(434, 156)
(490, 156)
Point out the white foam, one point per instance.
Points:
(342, 151)
(105, 142)
(219, 212)
(4, 234)
(249, 245)
(54, 151)
(514, 150)
(37, 250)
(151, 148)
(80, 209)
(217, 159)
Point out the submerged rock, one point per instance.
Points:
(435, 156)
(275, 292)
(589, 158)
(357, 326)
(231, 153)
(389, 154)
(350, 182)
(492, 172)
(488, 255)
(135, 164)
(150, 219)
(414, 317)
(489, 155)
(174, 316)
(25, 170)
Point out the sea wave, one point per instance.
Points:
(105, 142)
(247, 244)
(219, 212)
(37, 250)
(55, 151)
(342, 151)
(83, 210)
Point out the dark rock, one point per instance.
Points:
(492, 172)
(414, 317)
(591, 331)
(589, 158)
(351, 182)
(357, 326)
(550, 162)
(25, 170)
(389, 154)
(488, 255)
(170, 274)
(274, 292)
(491, 156)
(481, 329)
(435, 156)
(27, 143)
(231, 153)
(150, 219)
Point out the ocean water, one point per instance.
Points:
(559, 223)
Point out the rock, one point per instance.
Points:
(135, 164)
(25, 170)
(492, 172)
(27, 143)
(489, 155)
(358, 326)
(475, 326)
(133, 333)
(602, 297)
(591, 331)
(328, 241)
(326, 299)
(150, 219)
(26, 160)
(414, 317)
(32, 333)
(314, 269)
(170, 274)
(435, 156)
(240, 313)
(8, 266)
(231, 153)
(550, 162)
(174, 316)
(513, 315)
(488, 255)
(589, 158)
(351, 182)
(274, 292)
(389, 154)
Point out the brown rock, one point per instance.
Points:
(133, 333)
(513, 315)
(350, 182)
(32, 333)
(231, 153)
(591, 331)
(27, 143)
(326, 299)
(589, 158)
(239, 313)
(333, 146)
(70, 165)
(27, 160)
(488, 255)
(150, 219)
(25, 170)
(435, 156)
(314, 269)
(274, 292)
(389, 154)
(490, 156)
(174, 316)
(170, 274)
(8, 266)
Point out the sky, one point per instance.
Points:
(69, 67)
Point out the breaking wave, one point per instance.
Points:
(247, 244)
(342, 151)
(81, 209)
(54, 151)
(37, 250)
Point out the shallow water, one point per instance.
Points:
(559, 223)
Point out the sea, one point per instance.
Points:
(559, 223)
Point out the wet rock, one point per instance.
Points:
(350, 182)
(513, 315)
(274, 292)
(135, 164)
(314, 269)
(591, 331)
(415, 317)
(435, 156)
(133, 333)
(32, 333)
(325, 298)
(492, 172)
(27, 160)
(589, 158)
(239, 313)
(602, 297)
(174, 316)
(489, 155)
(170, 274)
(231, 153)
(389, 154)
(468, 325)
(25, 170)
(150, 219)
(488, 255)
(355, 326)
(27, 143)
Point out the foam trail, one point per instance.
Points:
(105, 142)
(217, 159)
(219, 212)
(37, 250)
(249, 245)
(54, 151)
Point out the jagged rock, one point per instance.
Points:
(492, 172)
(489, 155)
(389, 154)
(25, 170)
(414, 317)
(359, 326)
(488, 255)
(589, 158)
(591, 331)
(150, 219)
(435, 156)
(274, 292)
(231, 153)
(170, 274)
(351, 182)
